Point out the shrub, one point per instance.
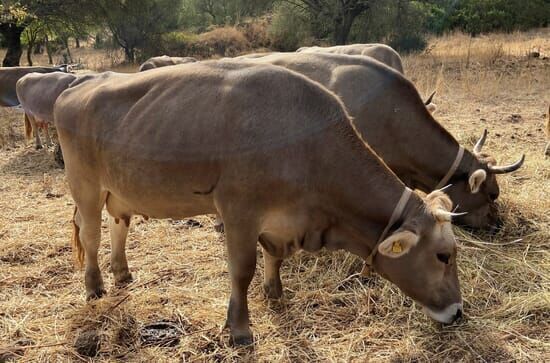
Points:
(256, 32)
(225, 41)
(289, 29)
(220, 42)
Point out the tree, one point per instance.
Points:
(137, 23)
(223, 12)
(12, 24)
(17, 15)
(337, 15)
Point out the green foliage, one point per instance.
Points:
(199, 14)
(289, 29)
(137, 23)
(480, 16)
(150, 27)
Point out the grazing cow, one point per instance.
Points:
(271, 151)
(8, 97)
(381, 52)
(389, 61)
(391, 117)
(163, 61)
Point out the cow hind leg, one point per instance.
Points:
(88, 235)
(119, 264)
(218, 224)
(273, 286)
(241, 249)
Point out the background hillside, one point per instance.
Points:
(206, 28)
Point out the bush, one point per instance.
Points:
(220, 42)
(226, 41)
(256, 33)
(289, 30)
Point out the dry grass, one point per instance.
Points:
(326, 315)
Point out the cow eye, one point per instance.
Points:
(444, 257)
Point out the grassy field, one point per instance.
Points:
(327, 313)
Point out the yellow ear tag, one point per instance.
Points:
(396, 247)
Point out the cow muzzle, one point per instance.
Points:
(448, 315)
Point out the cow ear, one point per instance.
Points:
(476, 179)
(432, 107)
(398, 244)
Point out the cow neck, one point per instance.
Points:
(367, 205)
(436, 160)
(396, 216)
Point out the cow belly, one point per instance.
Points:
(157, 189)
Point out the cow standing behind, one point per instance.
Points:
(163, 61)
(271, 151)
(381, 52)
(8, 98)
(390, 115)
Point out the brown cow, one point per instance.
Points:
(163, 61)
(389, 114)
(381, 52)
(8, 97)
(271, 151)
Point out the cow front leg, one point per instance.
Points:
(37, 141)
(119, 263)
(273, 286)
(241, 250)
(47, 135)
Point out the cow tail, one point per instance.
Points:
(78, 250)
(28, 128)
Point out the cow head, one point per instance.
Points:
(475, 189)
(420, 258)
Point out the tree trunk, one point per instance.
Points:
(12, 35)
(342, 27)
(130, 54)
(48, 49)
(77, 45)
(29, 52)
(69, 57)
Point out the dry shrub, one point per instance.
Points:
(256, 33)
(225, 41)
(220, 42)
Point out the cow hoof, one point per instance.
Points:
(273, 290)
(241, 340)
(219, 228)
(97, 294)
(124, 280)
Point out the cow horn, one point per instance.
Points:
(442, 215)
(429, 100)
(508, 168)
(480, 142)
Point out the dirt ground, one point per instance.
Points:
(327, 313)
